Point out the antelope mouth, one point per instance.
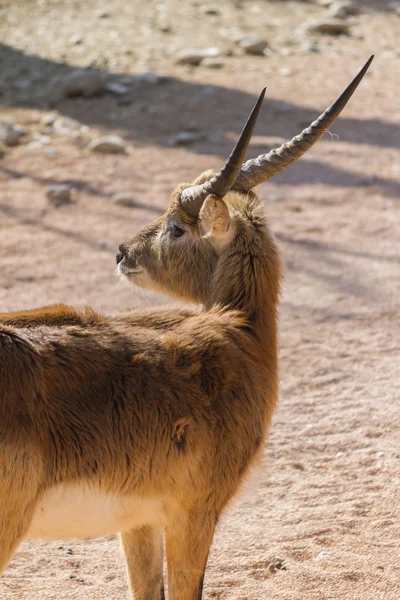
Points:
(128, 271)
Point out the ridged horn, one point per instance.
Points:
(193, 197)
(255, 171)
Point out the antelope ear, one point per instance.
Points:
(215, 220)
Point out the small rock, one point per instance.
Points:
(195, 57)
(124, 199)
(210, 9)
(102, 244)
(109, 144)
(117, 88)
(68, 551)
(286, 51)
(148, 77)
(212, 63)
(75, 39)
(184, 138)
(309, 47)
(328, 26)
(277, 564)
(49, 118)
(164, 26)
(81, 82)
(253, 44)
(103, 14)
(10, 134)
(59, 194)
(286, 71)
(343, 8)
(322, 556)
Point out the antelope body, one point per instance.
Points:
(147, 422)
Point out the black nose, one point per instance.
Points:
(119, 257)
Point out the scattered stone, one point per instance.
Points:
(164, 26)
(328, 26)
(103, 14)
(210, 9)
(109, 144)
(75, 39)
(148, 77)
(388, 54)
(277, 564)
(102, 244)
(116, 88)
(124, 199)
(67, 126)
(212, 63)
(322, 556)
(59, 194)
(343, 8)
(82, 82)
(253, 44)
(196, 56)
(10, 134)
(184, 138)
(49, 118)
(308, 46)
(286, 71)
(286, 51)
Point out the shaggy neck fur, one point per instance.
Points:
(247, 277)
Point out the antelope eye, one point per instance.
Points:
(176, 231)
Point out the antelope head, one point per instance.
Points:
(179, 253)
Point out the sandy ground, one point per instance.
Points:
(326, 500)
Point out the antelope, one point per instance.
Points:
(147, 422)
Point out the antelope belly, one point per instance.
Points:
(74, 511)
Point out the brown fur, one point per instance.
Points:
(169, 403)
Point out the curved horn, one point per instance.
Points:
(192, 198)
(254, 172)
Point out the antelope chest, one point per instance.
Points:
(69, 511)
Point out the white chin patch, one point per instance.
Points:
(140, 278)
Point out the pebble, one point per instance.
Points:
(148, 77)
(103, 14)
(211, 9)
(253, 44)
(81, 82)
(109, 144)
(308, 46)
(117, 88)
(212, 63)
(124, 199)
(327, 26)
(286, 71)
(343, 8)
(196, 56)
(10, 134)
(184, 138)
(59, 194)
(75, 39)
